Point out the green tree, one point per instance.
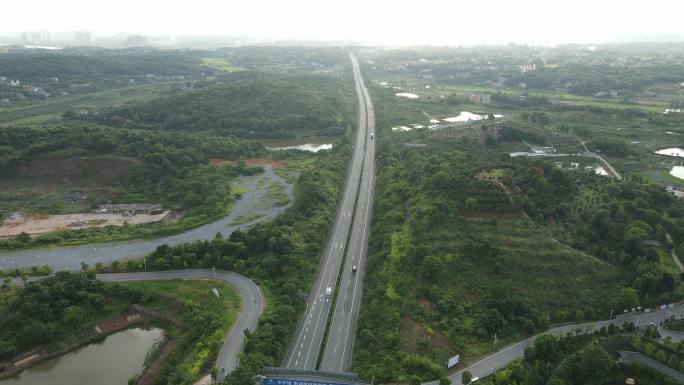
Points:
(24, 237)
(433, 267)
(466, 377)
(470, 203)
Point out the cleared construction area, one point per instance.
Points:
(36, 224)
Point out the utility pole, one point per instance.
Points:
(213, 270)
(145, 262)
(495, 339)
(611, 314)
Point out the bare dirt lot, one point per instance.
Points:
(41, 224)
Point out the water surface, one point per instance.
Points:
(313, 144)
(672, 151)
(677, 171)
(109, 362)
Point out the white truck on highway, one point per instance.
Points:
(371, 135)
(328, 292)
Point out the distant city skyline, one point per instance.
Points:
(429, 22)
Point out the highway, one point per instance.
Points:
(252, 307)
(339, 345)
(305, 347)
(500, 359)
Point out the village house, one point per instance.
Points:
(75, 86)
(481, 98)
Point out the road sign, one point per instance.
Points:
(277, 381)
(216, 292)
(453, 361)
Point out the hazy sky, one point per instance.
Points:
(436, 22)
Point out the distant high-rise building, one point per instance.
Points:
(136, 41)
(82, 37)
(35, 36)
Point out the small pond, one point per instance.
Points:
(672, 151)
(109, 362)
(313, 144)
(677, 171)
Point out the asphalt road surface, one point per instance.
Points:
(500, 359)
(339, 344)
(70, 258)
(305, 347)
(252, 306)
(653, 364)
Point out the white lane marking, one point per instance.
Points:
(365, 206)
(360, 139)
(363, 244)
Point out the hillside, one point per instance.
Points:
(94, 65)
(452, 263)
(64, 170)
(248, 104)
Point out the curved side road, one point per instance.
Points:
(500, 359)
(253, 304)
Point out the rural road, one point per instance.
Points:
(305, 347)
(500, 359)
(70, 258)
(609, 169)
(252, 307)
(339, 345)
(653, 364)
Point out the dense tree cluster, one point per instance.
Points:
(248, 104)
(280, 58)
(72, 65)
(171, 169)
(446, 265)
(608, 218)
(55, 309)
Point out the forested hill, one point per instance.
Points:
(84, 67)
(248, 104)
